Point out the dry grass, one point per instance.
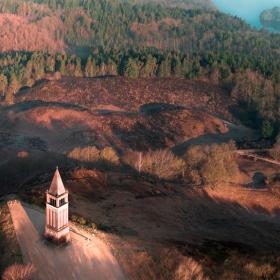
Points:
(189, 269)
(9, 248)
(18, 272)
(131, 94)
(260, 271)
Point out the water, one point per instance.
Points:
(249, 10)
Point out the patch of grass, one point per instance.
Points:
(9, 249)
(261, 271)
(76, 218)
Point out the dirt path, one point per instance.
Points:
(83, 258)
(250, 154)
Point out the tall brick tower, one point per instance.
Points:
(57, 227)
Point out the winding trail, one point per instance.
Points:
(84, 258)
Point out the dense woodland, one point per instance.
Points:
(141, 39)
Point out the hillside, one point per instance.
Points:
(55, 117)
(145, 106)
(140, 40)
(110, 24)
(213, 229)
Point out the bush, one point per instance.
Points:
(87, 154)
(93, 226)
(82, 221)
(275, 151)
(18, 272)
(267, 129)
(221, 164)
(189, 269)
(92, 154)
(74, 218)
(162, 163)
(211, 164)
(110, 155)
(261, 271)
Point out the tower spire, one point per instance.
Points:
(57, 188)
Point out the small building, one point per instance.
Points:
(57, 226)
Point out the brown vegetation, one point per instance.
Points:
(18, 272)
(214, 164)
(132, 94)
(161, 163)
(18, 34)
(9, 248)
(275, 151)
(92, 154)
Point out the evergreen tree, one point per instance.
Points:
(165, 68)
(132, 68)
(78, 68)
(150, 67)
(90, 68)
(267, 129)
(13, 87)
(3, 84)
(50, 64)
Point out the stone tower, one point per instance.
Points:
(57, 227)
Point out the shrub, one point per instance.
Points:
(110, 155)
(18, 272)
(211, 164)
(87, 154)
(189, 269)
(275, 151)
(82, 221)
(266, 129)
(92, 154)
(162, 163)
(74, 218)
(93, 226)
(262, 271)
(220, 165)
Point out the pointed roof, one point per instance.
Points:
(57, 188)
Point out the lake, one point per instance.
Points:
(249, 10)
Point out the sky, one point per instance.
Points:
(246, 9)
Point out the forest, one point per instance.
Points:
(141, 39)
